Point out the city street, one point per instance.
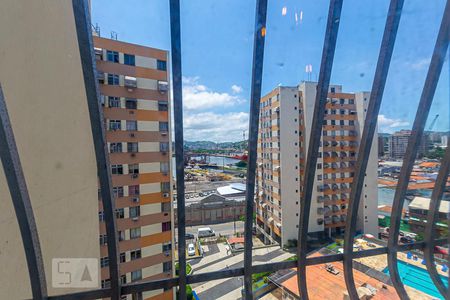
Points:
(222, 229)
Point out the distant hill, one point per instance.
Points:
(208, 145)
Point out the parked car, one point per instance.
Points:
(189, 236)
(191, 250)
(205, 232)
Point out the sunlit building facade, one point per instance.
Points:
(285, 126)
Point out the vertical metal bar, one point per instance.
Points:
(426, 99)
(326, 64)
(370, 125)
(432, 218)
(255, 98)
(86, 47)
(15, 178)
(175, 37)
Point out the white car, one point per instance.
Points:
(191, 250)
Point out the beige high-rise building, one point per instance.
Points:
(135, 93)
(285, 126)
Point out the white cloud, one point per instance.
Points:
(236, 89)
(215, 127)
(199, 97)
(387, 124)
(419, 64)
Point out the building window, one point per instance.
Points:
(122, 257)
(163, 126)
(164, 167)
(115, 147)
(131, 125)
(115, 125)
(103, 239)
(165, 207)
(120, 213)
(137, 296)
(113, 101)
(129, 59)
(351, 122)
(136, 254)
(113, 79)
(131, 103)
(101, 216)
(161, 65)
(136, 275)
(167, 266)
(118, 191)
(351, 101)
(117, 169)
(135, 211)
(166, 247)
(162, 106)
(112, 56)
(135, 233)
(104, 262)
(106, 284)
(123, 279)
(133, 169)
(132, 147)
(166, 226)
(165, 187)
(133, 190)
(164, 147)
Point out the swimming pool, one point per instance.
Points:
(418, 279)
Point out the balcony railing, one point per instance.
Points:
(115, 289)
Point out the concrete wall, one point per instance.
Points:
(42, 81)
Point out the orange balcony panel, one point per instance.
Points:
(134, 71)
(127, 223)
(139, 157)
(337, 127)
(340, 117)
(122, 136)
(157, 238)
(129, 48)
(340, 106)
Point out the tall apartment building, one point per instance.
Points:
(398, 142)
(285, 126)
(134, 89)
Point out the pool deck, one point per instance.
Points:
(379, 263)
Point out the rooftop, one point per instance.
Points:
(424, 203)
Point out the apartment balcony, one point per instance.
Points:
(163, 86)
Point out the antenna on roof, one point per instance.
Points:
(96, 29)
(114, 35)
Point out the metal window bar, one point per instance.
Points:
(370, 125)
(87, 55)
(326, 64)
(432, 218)
(426, 98)
(16, 182)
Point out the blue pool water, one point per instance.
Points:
(418, 279)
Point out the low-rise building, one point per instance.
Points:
(418, 211)
(213, 209)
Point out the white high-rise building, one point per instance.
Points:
(285, 124)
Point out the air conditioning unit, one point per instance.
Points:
(135, 219)
(165, 173)
(167, 253)
(130, 83)
(131, 134)
(131, 112)
(166, 195)
(135, 199)
(134, 176)
(163, 152)
(133, 154)
(166, 214)
(163, 86)
(164, 133)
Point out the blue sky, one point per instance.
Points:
(217, 40)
